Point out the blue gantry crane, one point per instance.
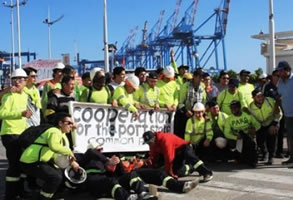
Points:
(191, 47)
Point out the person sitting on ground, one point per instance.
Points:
(37, 160)
(218, 118)
(268, 113)
(199, 132)
(179, 157)
(106, 177)
(240, 130)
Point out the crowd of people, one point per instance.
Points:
(229, 120)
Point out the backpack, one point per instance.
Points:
(29, 135)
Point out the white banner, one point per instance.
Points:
(115, 128)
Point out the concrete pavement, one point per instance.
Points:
(231, 182)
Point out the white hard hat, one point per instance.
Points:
(75, 177)
(61, 161)
(198, 107)
(18, 73)
(221, 142)
(59, 65)
(94, 71)
(169, 72)
(93, 144)
(133, 80)
(263, 75)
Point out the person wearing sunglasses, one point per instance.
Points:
(223, 81)
(34, 100)
(14, 114)
(39, 159)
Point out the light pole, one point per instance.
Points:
(106, 53)
(272, 64)
(50, 23)
(11, 6)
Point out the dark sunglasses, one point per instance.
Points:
(68, 122)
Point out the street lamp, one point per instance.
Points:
(11, 6)
(106, 53)
(50, 23)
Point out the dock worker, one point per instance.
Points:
(14, 114)
(268, 113)
(179, 157)
(241, 127)
(34, 100)
(199, 132)
(118, 77)
(190, 93)
(97, 93)
(124, 95)
(52, 84)
(148, 93)
(168, 97)
(37, 160)
(228, 95)
(245, 87)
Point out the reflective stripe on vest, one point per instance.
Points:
(116, 186)
(133, 180)
(166, 180)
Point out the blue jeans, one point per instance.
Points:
(289, 127)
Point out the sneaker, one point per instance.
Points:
(287, 162)
(189, 185)
(207, 177)
(132, 197)
(153, 190)
(147, 196)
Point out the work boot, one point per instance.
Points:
(132, 197)
(287, 162)
(189, 185)
(205, 173)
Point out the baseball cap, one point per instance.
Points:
(233, 82)
(244, 72)
(256, 91)
(283, 65)
(153, 75)
(148, 136)
(235, 103)
(184, 67)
